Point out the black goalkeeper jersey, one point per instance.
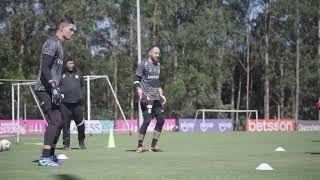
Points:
(149, 72)
(52, 47)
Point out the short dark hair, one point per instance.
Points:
(153, 46)
(65, 19)
(69, 58)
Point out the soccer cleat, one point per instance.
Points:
(55, 159)
(82, 146)
(66, 148)
(154, 149)
(47, 162)
(139, 149)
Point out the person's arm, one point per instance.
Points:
(83, 88)
(48, 51)
(137, 80)
(81, 80)
(47, 54)
(137, 86)
(160, 91)
(45, 67)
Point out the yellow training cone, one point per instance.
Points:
(111, 143)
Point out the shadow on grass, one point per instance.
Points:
(313, 153)
(316, 141)
(66, 177)
(61, 148)
(133, 150)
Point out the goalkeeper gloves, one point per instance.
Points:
(56, 94)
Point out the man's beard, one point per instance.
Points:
(66, 38)
(154, 59)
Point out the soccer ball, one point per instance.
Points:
(5, 145)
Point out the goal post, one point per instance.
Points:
(16, 117)
(204, 111)
(16, 96)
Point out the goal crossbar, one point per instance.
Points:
(224, 110)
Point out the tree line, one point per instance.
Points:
(221, 54)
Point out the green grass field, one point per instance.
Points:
(198, 156)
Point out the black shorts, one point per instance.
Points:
(157, 107)
(45, 101)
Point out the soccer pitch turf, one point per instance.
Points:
(196, 156)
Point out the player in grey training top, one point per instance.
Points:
(149, 71)
(150, 96)
(52, 47)
(51, 64)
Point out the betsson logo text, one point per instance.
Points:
(270, 125)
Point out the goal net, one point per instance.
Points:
(223, 114)
(35, 128)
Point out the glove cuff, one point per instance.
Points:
(53, 84)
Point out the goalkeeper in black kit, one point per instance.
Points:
(49, 95)
(151, 97)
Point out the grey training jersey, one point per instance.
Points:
(149, 73)
(52, 47)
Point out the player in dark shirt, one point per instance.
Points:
(50, 72)
(72, 88)
(151, 97)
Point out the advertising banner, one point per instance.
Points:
(38, 127)
(121, 126)
(261, 125)
(93, 126)
(208, 125)
(30, 126)
(305, 125)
